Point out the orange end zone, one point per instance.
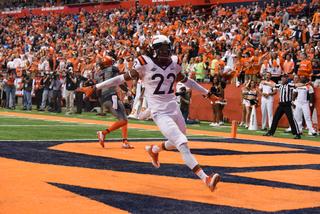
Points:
(25, 187)
(305, 177)
(139, 155)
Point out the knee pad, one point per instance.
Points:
(186, 155)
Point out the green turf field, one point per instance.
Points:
(19, 128)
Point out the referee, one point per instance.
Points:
(285, 95)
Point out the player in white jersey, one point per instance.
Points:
(159, 71)
(303, 96)
(267, 93)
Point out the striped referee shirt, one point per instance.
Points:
(285, 92)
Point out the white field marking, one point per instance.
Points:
(261, 131)
(225, 127)
(284, 133)
(113, 140)
(46, 125)
(47, 120)
(195, 134)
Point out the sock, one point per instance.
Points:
(105, 132)
(164, 146)
(201, 175)
(157, 149)
(115, 126)
(124, 130)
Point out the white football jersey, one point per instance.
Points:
(267, 89)
(303, 93)
(159, 81)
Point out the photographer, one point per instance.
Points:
(27, 87)
(184, 105)
(80, 81)
(38, 90)
(56, 87)
(45, 84)
(70, 82)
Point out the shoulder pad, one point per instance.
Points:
(141, 60)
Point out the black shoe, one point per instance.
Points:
(268, 135)
(297, 137)
(24, 109)
(78, 113)
(41, 110)
(197, 121)
(314, 134)
(265, 129)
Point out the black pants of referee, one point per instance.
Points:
(284, 108)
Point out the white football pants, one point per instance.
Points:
(267, 112)
(303, 108)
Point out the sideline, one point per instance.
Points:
(154, 127)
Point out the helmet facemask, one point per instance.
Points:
(162, 52)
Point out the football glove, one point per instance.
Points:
(87, 90)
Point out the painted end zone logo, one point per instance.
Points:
(67, 177)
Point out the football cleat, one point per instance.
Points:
(101, 138)
(87, 90)
(212, 181)
(127, 146)
(153, 156)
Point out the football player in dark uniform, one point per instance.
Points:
(111, 101)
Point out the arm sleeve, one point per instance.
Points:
(118, 80)
(195, 86)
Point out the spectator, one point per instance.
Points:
(288, 67)
(11, 89)
(200, 68)
(27, 82)
(305, 67)
(316, 72)
(56, 94)
(274, 67)
(3, 83)
(191, 68)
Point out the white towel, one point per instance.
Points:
(115, 101)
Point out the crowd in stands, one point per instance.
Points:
(31, 4)
(233, 43)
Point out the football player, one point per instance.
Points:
(159, 71)
(111, 101)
